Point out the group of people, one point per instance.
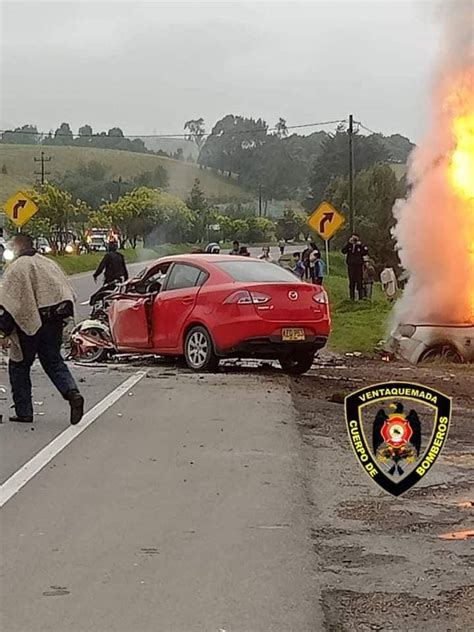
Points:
(309, 265)
(362, 274)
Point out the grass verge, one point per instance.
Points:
(356, 325)
(75, 264)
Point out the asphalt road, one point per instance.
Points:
(179, 509)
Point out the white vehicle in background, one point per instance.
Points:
(97, 244)
(428, 342)
(42, 245)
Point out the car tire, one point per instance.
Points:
(94, 355)
(298, 363)
(199, 350)
(441, 353)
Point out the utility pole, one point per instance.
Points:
(260, 200)
(351, 173)
(43, 173)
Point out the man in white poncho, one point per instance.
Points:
(37, 295)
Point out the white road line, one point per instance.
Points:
(21, 477)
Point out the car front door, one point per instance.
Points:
(174, 304)
(129, 321)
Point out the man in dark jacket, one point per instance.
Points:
(355, 252)
(112, 265)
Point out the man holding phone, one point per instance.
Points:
(355, 251)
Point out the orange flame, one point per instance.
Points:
(461, 170)
(461, 177)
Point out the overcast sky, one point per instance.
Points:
(148, 67)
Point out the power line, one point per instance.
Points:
(173, 136)
(386, 138)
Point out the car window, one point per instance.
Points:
(257, 272)
(183, 276)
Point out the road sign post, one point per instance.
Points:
(326, 241)
(326, 221)
(20, 208)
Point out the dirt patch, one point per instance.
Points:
(356, 557)
(379, 559)
(346, 610)
(386, 517)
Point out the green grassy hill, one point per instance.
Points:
(20, 166)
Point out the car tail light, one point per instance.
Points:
(321, 297)
(259, 299)
(244, 297)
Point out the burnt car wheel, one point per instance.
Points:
(199, 350)
(443, 353)
(298, 363)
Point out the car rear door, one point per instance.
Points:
(129, 321)
(174, 304)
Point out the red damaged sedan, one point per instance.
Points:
(208, 307)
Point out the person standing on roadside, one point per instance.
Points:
(319, 268)
(298, 266)
(281, 245)
(314, 254)
(355, 252)
(235, 248)
(37, 295)
(368, 277)
(112, 266)
(266, 256)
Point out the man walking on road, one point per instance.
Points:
(355, 252)
(37, 295)
(113, 266)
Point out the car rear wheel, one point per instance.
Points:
(298, 363)
(199, 350)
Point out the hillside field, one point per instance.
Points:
(20, 166)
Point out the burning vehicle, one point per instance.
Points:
(434, 228)
(425, 343)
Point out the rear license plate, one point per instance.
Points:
(292, 335)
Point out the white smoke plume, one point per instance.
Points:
(434, 229)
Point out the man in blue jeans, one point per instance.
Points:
(37, 295)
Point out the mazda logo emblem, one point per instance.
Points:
(293, 296)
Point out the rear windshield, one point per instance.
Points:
(257, 271)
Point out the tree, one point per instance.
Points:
(92, 183)
(63, 135)
(197, 203)
(231, 142)
(333, 161)
(58, 215)
(24, 135)
(151, 214)
(290, 226)
(281, 128)
(195, 131)
(156, 179)
(399, 147)
(85, 136)
(376, 190)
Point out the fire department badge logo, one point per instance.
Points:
(397, 431)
